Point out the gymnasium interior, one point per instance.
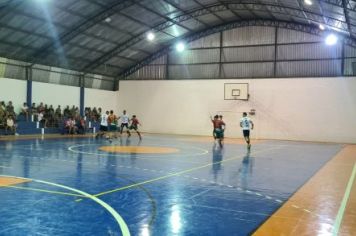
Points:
(290, 65)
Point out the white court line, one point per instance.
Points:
(123, 227)
(6, 167)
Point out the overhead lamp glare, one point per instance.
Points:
(150, 36)
(331, 39)
(180, 47)
(322, 27)
(308, 2)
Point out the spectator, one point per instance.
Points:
(42, 119)
(34, 112)
(81, 124)
(25, 110)
(10, 124)
(58, 115)
(40, 108)
(10, 109)
(66, 112)
(2, 113)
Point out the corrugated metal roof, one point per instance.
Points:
(96, 31)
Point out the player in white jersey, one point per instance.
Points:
(125, 119)
(103, 124)
(246, 124)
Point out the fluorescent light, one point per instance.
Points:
(108, 20)
(308, 2)
(150, 36)
(321, 26)
(180, 47)
(331, 39)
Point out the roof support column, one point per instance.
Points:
(82, 94)
(343, 59)
(275, 52)
(167, 66)
(221, 52)
(28, 73)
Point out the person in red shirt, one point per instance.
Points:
(134, 125)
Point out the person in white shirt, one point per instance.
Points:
(103, 124)
(25, 110)
(42, 120)
(125, 123)
(246, 124)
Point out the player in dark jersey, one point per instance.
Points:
(134, 125)
(218, 129)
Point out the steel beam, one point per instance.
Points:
(84, 25)
(345, 5)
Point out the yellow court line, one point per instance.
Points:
(172, 175)
(43, 190)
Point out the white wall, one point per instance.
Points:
(315, 109)
(13, 90)
(107, 100)
(54, 94)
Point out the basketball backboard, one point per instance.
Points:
(236, 91)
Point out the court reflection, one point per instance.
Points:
(245, 171)
(218, 154)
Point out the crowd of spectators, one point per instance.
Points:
(69, 118)
(7, 117)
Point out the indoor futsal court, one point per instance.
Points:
(178, 117)
(173, 185)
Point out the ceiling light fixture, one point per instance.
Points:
(180, 47)
(331, 39)
(150, 36)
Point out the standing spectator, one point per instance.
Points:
(66, 112)
(40, 108)
(42, 119)
(58, 115)
(34, 112)
(25, 110)
(51, 115)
